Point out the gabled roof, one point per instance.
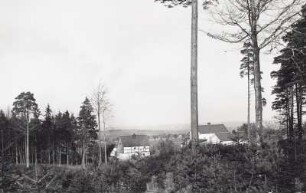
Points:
(224, 136)
(217, 128)
(134, 140)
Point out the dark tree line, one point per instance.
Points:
(291, 83)
(29, 136)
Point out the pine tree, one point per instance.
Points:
(87, 128)
(290, 87)
(247, 69)
(25, 106)
(35, 129)
(47, 134)
(64, 131)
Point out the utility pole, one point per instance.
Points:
(194, 74)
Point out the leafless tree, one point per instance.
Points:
(102, 108)
(260, 21)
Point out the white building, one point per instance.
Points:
(133, 145)
(215, 134)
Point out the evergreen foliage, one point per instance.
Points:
(290, 87)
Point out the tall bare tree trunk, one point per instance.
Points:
(99, 134)
(249, 100)
(83, 156)
(105, 144)
(35, 155)
(23, 152)
(299, 105)
(49, 156)
(16, 148)
(59, 155)
(42, 156)
(102, 107)
(27, 144)
(257, 86)
(67, 154)
(287, 113)
(194, 74)
(86, 160)
(301, 93)
(291, 115)
(53, 153)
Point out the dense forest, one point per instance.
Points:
(59, 138)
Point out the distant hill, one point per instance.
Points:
(170, 129)
(114, 133)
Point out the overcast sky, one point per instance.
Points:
(139, 49)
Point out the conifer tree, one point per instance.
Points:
(64, 130)
(47, 134)
(290, 86)
(87, 128)
(260, 21)
(247, 69)
(35, 142)
(24, 107)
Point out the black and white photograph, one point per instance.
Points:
(153, 96)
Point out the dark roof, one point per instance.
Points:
(135, 140)
(224, 136)
(217, 128)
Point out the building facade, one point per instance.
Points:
(215, 134)
(137, 146)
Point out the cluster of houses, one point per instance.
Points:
(134, 145)
(131, 146)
